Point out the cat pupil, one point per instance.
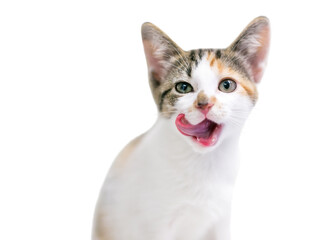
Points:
(226, 84)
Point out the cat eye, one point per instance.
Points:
(183, 87)
(227, 85)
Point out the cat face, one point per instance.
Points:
(207, 93)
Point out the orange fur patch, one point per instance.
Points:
(213, 99)
(250, 89)
(220, 66)
(208, 56)
(211, 58)
(212, 61)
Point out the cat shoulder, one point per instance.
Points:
(122, 158)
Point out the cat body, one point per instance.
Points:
(176, 181)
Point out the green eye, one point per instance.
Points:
(183, 87)
(227, 86)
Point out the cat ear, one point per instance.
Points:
(253, 44)
(159, 49)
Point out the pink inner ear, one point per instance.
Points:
(259, 59)
(153, 62)
(258, 66)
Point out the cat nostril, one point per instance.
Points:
(204, 105)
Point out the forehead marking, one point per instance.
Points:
(204, 74)
(213, 58)
(192, 56)
(218, 54)
(212, 61)
(200, 54)
(219, 66)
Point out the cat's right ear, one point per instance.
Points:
(253, 45)
(159, 49)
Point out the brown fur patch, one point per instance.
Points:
(202, 98)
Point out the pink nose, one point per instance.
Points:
(204, 107)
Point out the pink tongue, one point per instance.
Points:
(202, 130)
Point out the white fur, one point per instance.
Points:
(171, 188)
(231, 109)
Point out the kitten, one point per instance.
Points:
(175, 182)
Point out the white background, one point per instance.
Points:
(74, 91)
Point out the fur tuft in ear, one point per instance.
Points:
(159, 49)
(253, 45)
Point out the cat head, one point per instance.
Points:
(206, 93)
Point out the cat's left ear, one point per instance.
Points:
(159, 49)
(253, 45)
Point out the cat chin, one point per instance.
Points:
(197, 147)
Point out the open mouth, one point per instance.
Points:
(205, 133)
